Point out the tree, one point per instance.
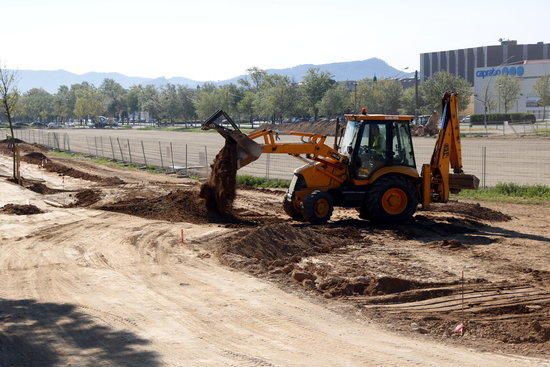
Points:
(114, 97)
(61, 103)
(335, 101)
(8, 98)
(315, 85)
(508, 89)
(133, 99)
(37, 103)
(542, 90)
(254, 79)
(277, 98)
(170, 107)
(435, 87)
(185, 98)
(149, 101)
(381, 96)
(89, 103)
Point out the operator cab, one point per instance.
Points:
(375, 141)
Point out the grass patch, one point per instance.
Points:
(543, 132)
(104, 161)
(511, 193)
(252, 181)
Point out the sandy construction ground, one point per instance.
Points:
(86, 284)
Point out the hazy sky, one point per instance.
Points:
(215, 39)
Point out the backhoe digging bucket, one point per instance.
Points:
(247, 149)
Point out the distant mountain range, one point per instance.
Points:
(50, 80)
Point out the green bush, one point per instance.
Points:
(252, 181)
(500, 117)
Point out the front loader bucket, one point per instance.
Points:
(247, 149)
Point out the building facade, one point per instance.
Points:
(527, 73)
(463, 62)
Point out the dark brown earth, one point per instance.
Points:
(18, 209)
(220, 189)
(86, 197)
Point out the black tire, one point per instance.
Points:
(373, 208)
(291, 211)
(317, 207)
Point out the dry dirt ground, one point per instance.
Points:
(131, 272)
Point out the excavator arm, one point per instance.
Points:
(311, 148)
(437, 180)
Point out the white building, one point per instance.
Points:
(527, 73)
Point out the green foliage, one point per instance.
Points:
(511, 192)
(252, 181)
(380, 96)
(435, 87)
(335, 101)
(36, 103)
(508, 90)
(500, 117)
(314, 86)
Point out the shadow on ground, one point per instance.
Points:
(52, 334)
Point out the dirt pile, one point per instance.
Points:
(176, 206)
(72, 172)
(86, 198)
(219, 191)
(471, 211)
(18, 209)
(35, 158)
(41, 188)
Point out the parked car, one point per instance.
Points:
(53, 125)
(466, 120)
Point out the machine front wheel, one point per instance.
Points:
(391, 199)
(291, 210)
(318, 207)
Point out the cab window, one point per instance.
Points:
(372, 151)
(402, 149)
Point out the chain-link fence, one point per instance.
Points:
(517, 160)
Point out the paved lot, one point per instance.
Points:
(507, 159)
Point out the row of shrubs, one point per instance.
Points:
(501, 117)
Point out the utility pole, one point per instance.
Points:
(416, 102)
(355, 97)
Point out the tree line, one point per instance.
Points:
(258, 96)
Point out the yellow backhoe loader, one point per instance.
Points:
(371, 168)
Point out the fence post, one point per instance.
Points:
(160, 151)
(68, 143)
(143, 150)
(101, 142)
(112, 148)
(484, 166)
(129, 150)
(95, 142)
(120, 148)
(186, 171)
(172, 156)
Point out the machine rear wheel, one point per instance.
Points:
(318, 207)
(391, 199)
(291, 210)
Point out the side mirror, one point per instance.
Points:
(349, 149)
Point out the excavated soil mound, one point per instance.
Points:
(279, 241)
(86, 198)
(35, 158)
(219, 191)
(177, 206)
(472, 211)
(41, 188)
(17, 209)
(71, 172)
